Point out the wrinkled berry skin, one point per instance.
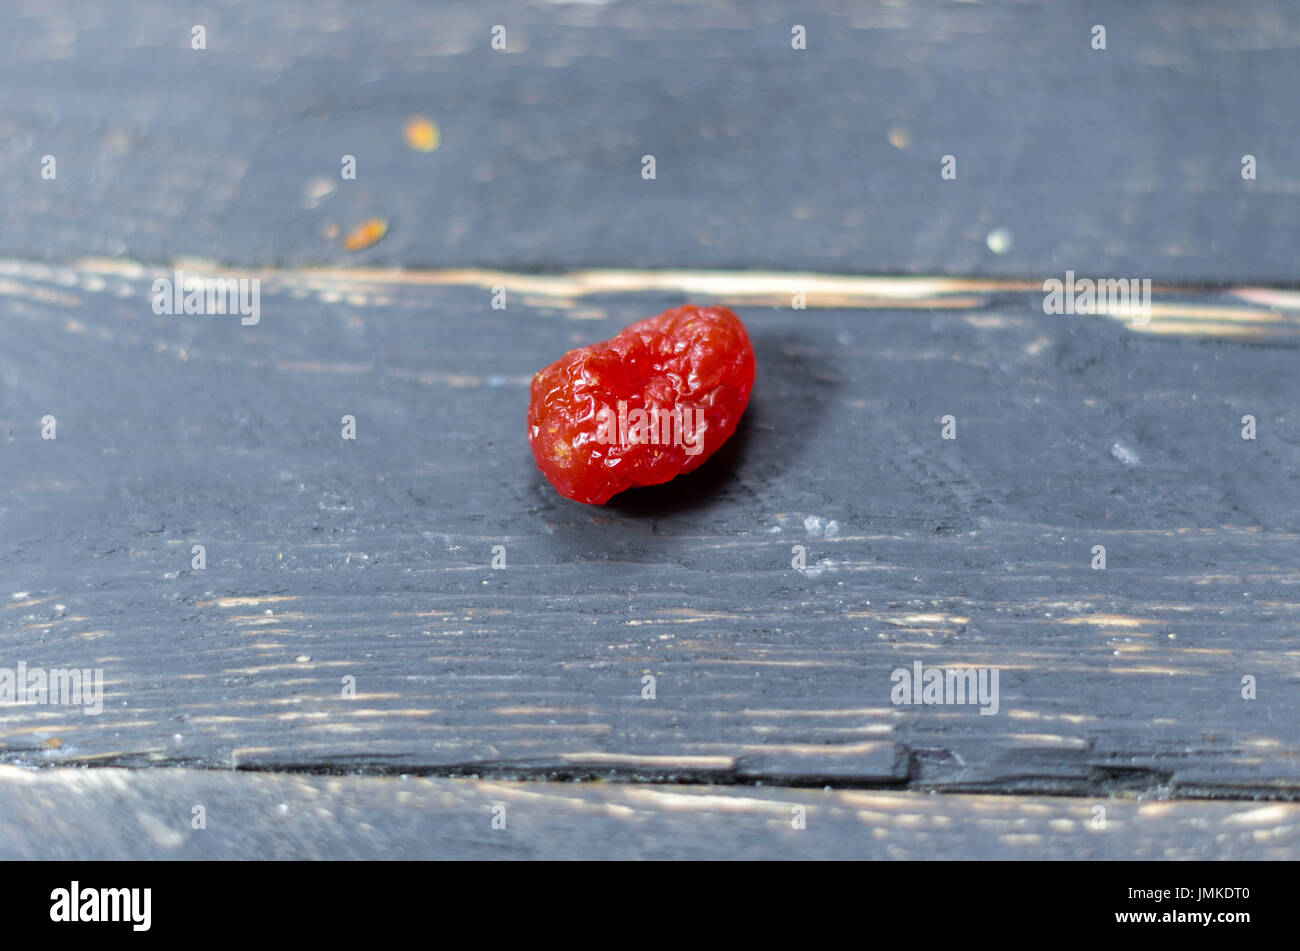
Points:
(583, 420)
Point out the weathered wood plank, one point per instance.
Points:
(1122, 162)
(113, 814)
(371, 558)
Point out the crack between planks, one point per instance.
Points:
(1099, 782)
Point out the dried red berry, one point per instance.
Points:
(652, 403)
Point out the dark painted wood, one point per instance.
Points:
(1122, 162)
(371, 558)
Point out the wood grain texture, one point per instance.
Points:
(1122, 162)
(113, 814)
(371, 558)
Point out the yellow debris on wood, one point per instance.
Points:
(422, 134)
(368, 233)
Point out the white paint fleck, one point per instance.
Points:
(823, 565)
(316, 190)
(823, 527)
(999, 241)
(1124, 454)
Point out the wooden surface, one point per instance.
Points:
(371, 558)
(777, 171)
(112, 814)
(1125, 161)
